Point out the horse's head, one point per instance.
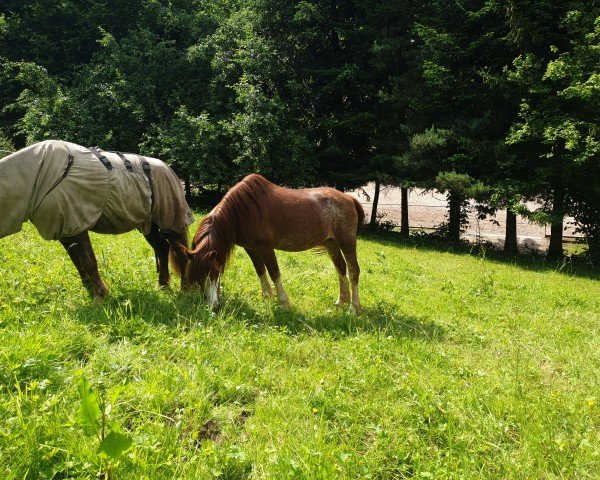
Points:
(205, 269)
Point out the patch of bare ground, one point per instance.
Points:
(427, 210)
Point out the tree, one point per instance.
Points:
(558, 73)
(463, 50)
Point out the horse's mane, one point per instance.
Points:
(219, 229)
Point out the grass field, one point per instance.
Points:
(461, 366)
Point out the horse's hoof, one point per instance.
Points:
(285, 305)
(98, 301)
(341, 303)
(355, 309)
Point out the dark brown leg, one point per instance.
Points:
(178, 257)
(259, 267)
(340, 265)
(161, 251)
(79, 248)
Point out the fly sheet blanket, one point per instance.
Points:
(65, 189)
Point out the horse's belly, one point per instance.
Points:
(128, 205)
(300, 241)
(299, 230)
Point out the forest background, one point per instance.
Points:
(496, 100)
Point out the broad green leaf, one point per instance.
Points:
(88, 415)
(115, 445)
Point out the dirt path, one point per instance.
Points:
(428, 209)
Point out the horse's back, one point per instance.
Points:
(147, 192)
(81, 193)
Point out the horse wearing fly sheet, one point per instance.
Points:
(261, 217)
(66, 190)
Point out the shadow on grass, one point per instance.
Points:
(381, 319)
(136, 313)
(531, 260)
(132, 312)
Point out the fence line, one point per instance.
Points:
(475, 228)
(420, 205)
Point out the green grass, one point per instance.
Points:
(461, 366)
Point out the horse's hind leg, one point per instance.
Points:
(270, 261)
(261, 271)
(340, 265)
(79, 248)
(348, 248)
(161, 250)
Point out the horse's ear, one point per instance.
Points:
(210, 256)
(186, 251)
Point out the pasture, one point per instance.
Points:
(460, 366)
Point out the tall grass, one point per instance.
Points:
(461, 366)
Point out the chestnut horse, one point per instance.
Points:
(262, 217)
(66, 190)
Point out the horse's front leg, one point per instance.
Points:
(79, 248)
(178, 257)
(261, 271)
(270, 261)
(161, 251)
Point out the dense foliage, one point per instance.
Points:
(492, 99)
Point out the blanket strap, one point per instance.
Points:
(70, 160)
(101, 157)
(148, 171)
(127, 162)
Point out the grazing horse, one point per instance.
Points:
(65, 190)
(261, 217)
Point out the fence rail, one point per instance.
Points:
(428, 217)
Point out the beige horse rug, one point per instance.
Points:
(65, 189)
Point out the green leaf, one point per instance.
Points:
(115, 445)
(88, 415)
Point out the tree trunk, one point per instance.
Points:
(510, 239)
(555, 249)
(373, 219)
(404, 213)
(454, 201)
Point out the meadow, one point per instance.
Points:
(462, 365)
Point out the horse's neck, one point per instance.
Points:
(223, 234)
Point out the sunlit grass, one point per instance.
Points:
(459, 367)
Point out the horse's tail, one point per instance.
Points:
(361, 214)
(173, 257)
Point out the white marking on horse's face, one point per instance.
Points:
(211, 290)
